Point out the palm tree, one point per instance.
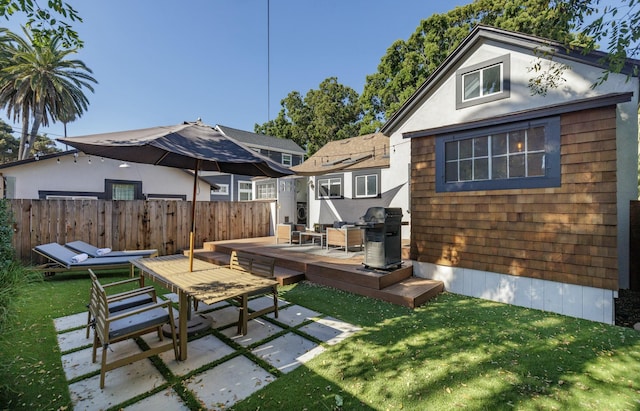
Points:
(38, 82)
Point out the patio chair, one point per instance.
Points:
(287, 233)
(95, 252)
(111, 328)
(61, 259)
(261, 266)
(122, 301)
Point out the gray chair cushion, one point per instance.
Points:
(137, 322)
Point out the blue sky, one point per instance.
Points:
(161, 62)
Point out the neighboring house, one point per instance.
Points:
(515, 197)
(74, 175)
(291, 200)
(349, 176)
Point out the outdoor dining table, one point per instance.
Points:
(207, 282)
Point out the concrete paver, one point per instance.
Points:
(218, 387)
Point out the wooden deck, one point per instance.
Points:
(333, 268)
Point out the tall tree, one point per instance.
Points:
(46, 22)
(9, 145)
(39, 82)
(329, 113)
(407, 64)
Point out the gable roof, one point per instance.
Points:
(480, 34)
(366, 151)
(262, 140)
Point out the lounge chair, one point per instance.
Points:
(111, 328)
(121, 301)
(95, 252)
(61, 259)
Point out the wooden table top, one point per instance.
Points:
(207, 282)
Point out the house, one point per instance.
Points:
(348, 176)
(75, 175)
(515, 197)
(291, 200)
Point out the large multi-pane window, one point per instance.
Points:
(501, 157)
(330, 187)
(245, 191)
(266, 191)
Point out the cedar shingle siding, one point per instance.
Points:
(565, 234)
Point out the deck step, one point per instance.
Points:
(349, 274)
(411, 292)
(359, 275)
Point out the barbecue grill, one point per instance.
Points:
(382, 241)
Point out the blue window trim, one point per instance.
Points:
(552, 159)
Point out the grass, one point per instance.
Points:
(455, 352)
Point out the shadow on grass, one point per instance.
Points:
(464, 352)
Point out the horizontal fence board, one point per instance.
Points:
(138, 224)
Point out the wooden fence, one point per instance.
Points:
(138, 224)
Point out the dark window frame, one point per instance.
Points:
(137, 188)
(365, 173)
(506, 82)
(551, 178)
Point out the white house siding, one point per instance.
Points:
(438, 108)
(80, 176)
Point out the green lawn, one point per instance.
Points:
(454, 353)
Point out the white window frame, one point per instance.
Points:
(328, 183)
(287, 159)
(366, 178)
(222, 191)
(266, 190)
(503, 62)
(243, 191)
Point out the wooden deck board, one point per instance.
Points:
(335, 270)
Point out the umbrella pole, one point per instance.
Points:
(193, 215)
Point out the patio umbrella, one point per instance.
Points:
(190, 145)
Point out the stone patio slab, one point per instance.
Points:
(294, 315)
(224, 385)
(70, 321)
(257, 330)
(287, 352)
(74, 339)
(164, 400)
(121, 385)
(329, 330)
(200, 352)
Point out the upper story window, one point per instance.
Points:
(266, 191)
(366, 184)
(245, 191)
(330, 187)
(520, 155)
(287, 159)
(484, 82)
(223, 189)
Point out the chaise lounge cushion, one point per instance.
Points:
(93, 251)
(64, 257)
